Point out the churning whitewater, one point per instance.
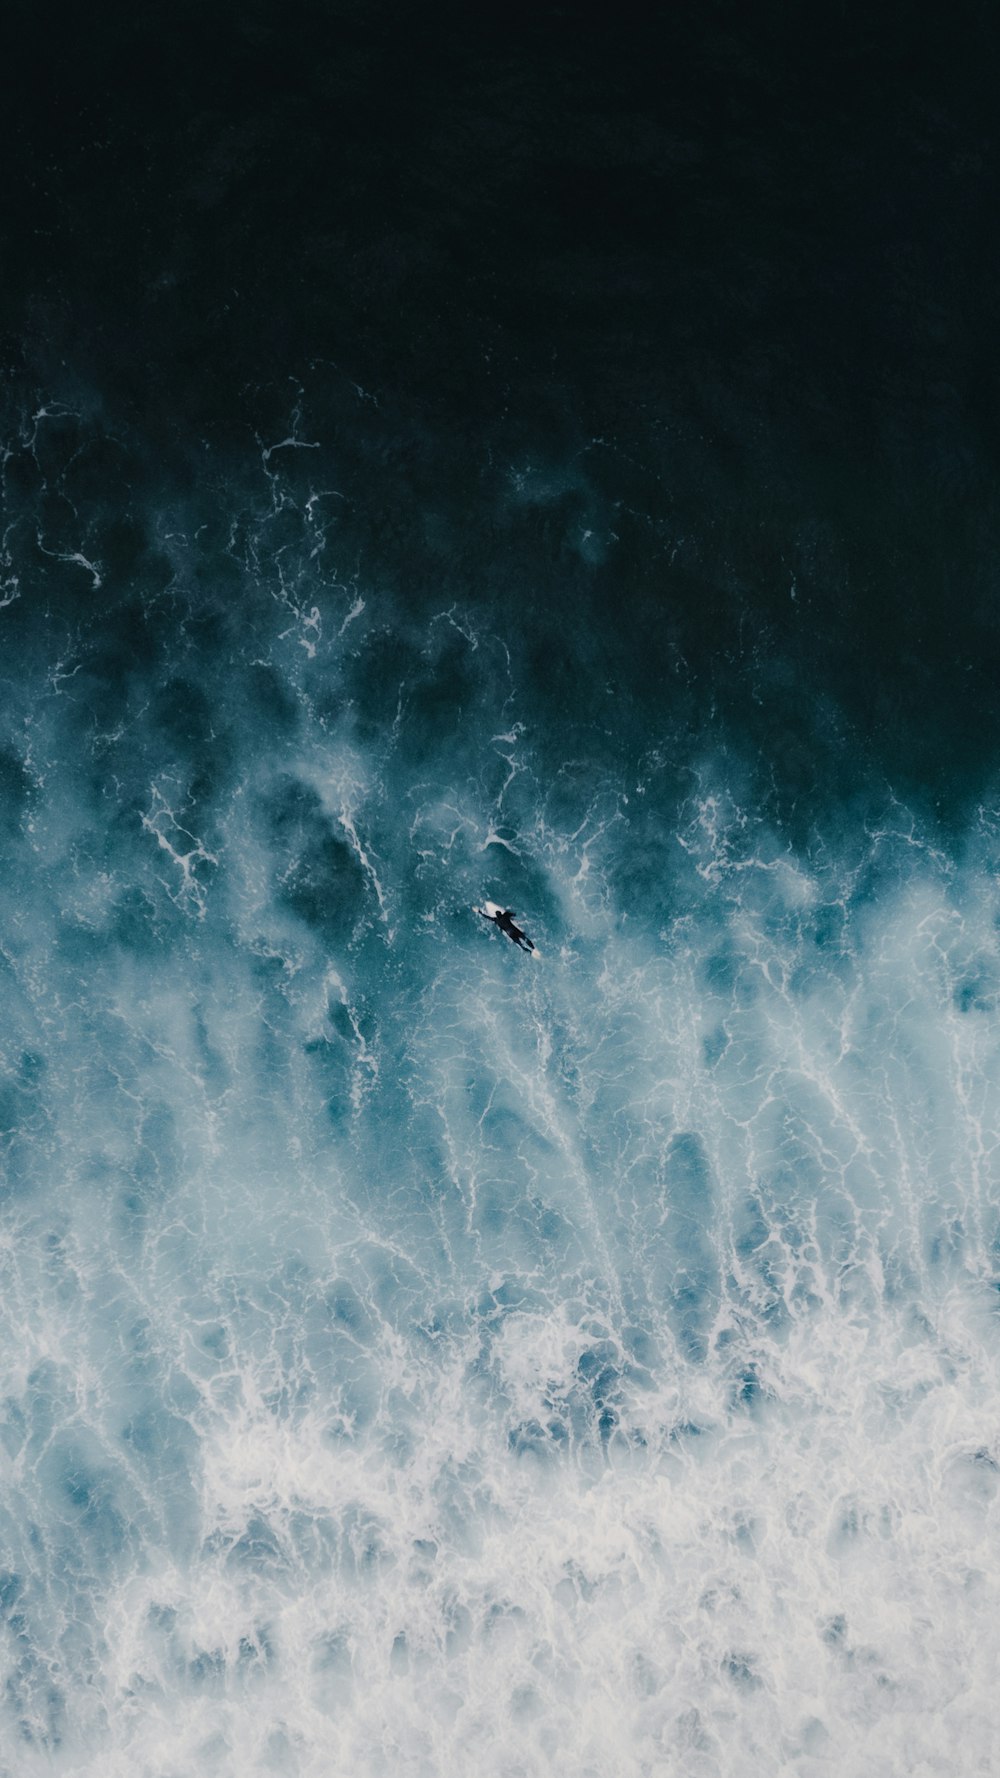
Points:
(419, 1361)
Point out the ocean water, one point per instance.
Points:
(570, 483)
(419, 1357)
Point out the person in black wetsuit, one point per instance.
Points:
(504, 918)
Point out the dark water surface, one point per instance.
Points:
(551, 457)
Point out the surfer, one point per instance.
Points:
(504, 918)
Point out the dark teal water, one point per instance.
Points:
(550, 459)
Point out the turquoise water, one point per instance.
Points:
(419, 1356)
